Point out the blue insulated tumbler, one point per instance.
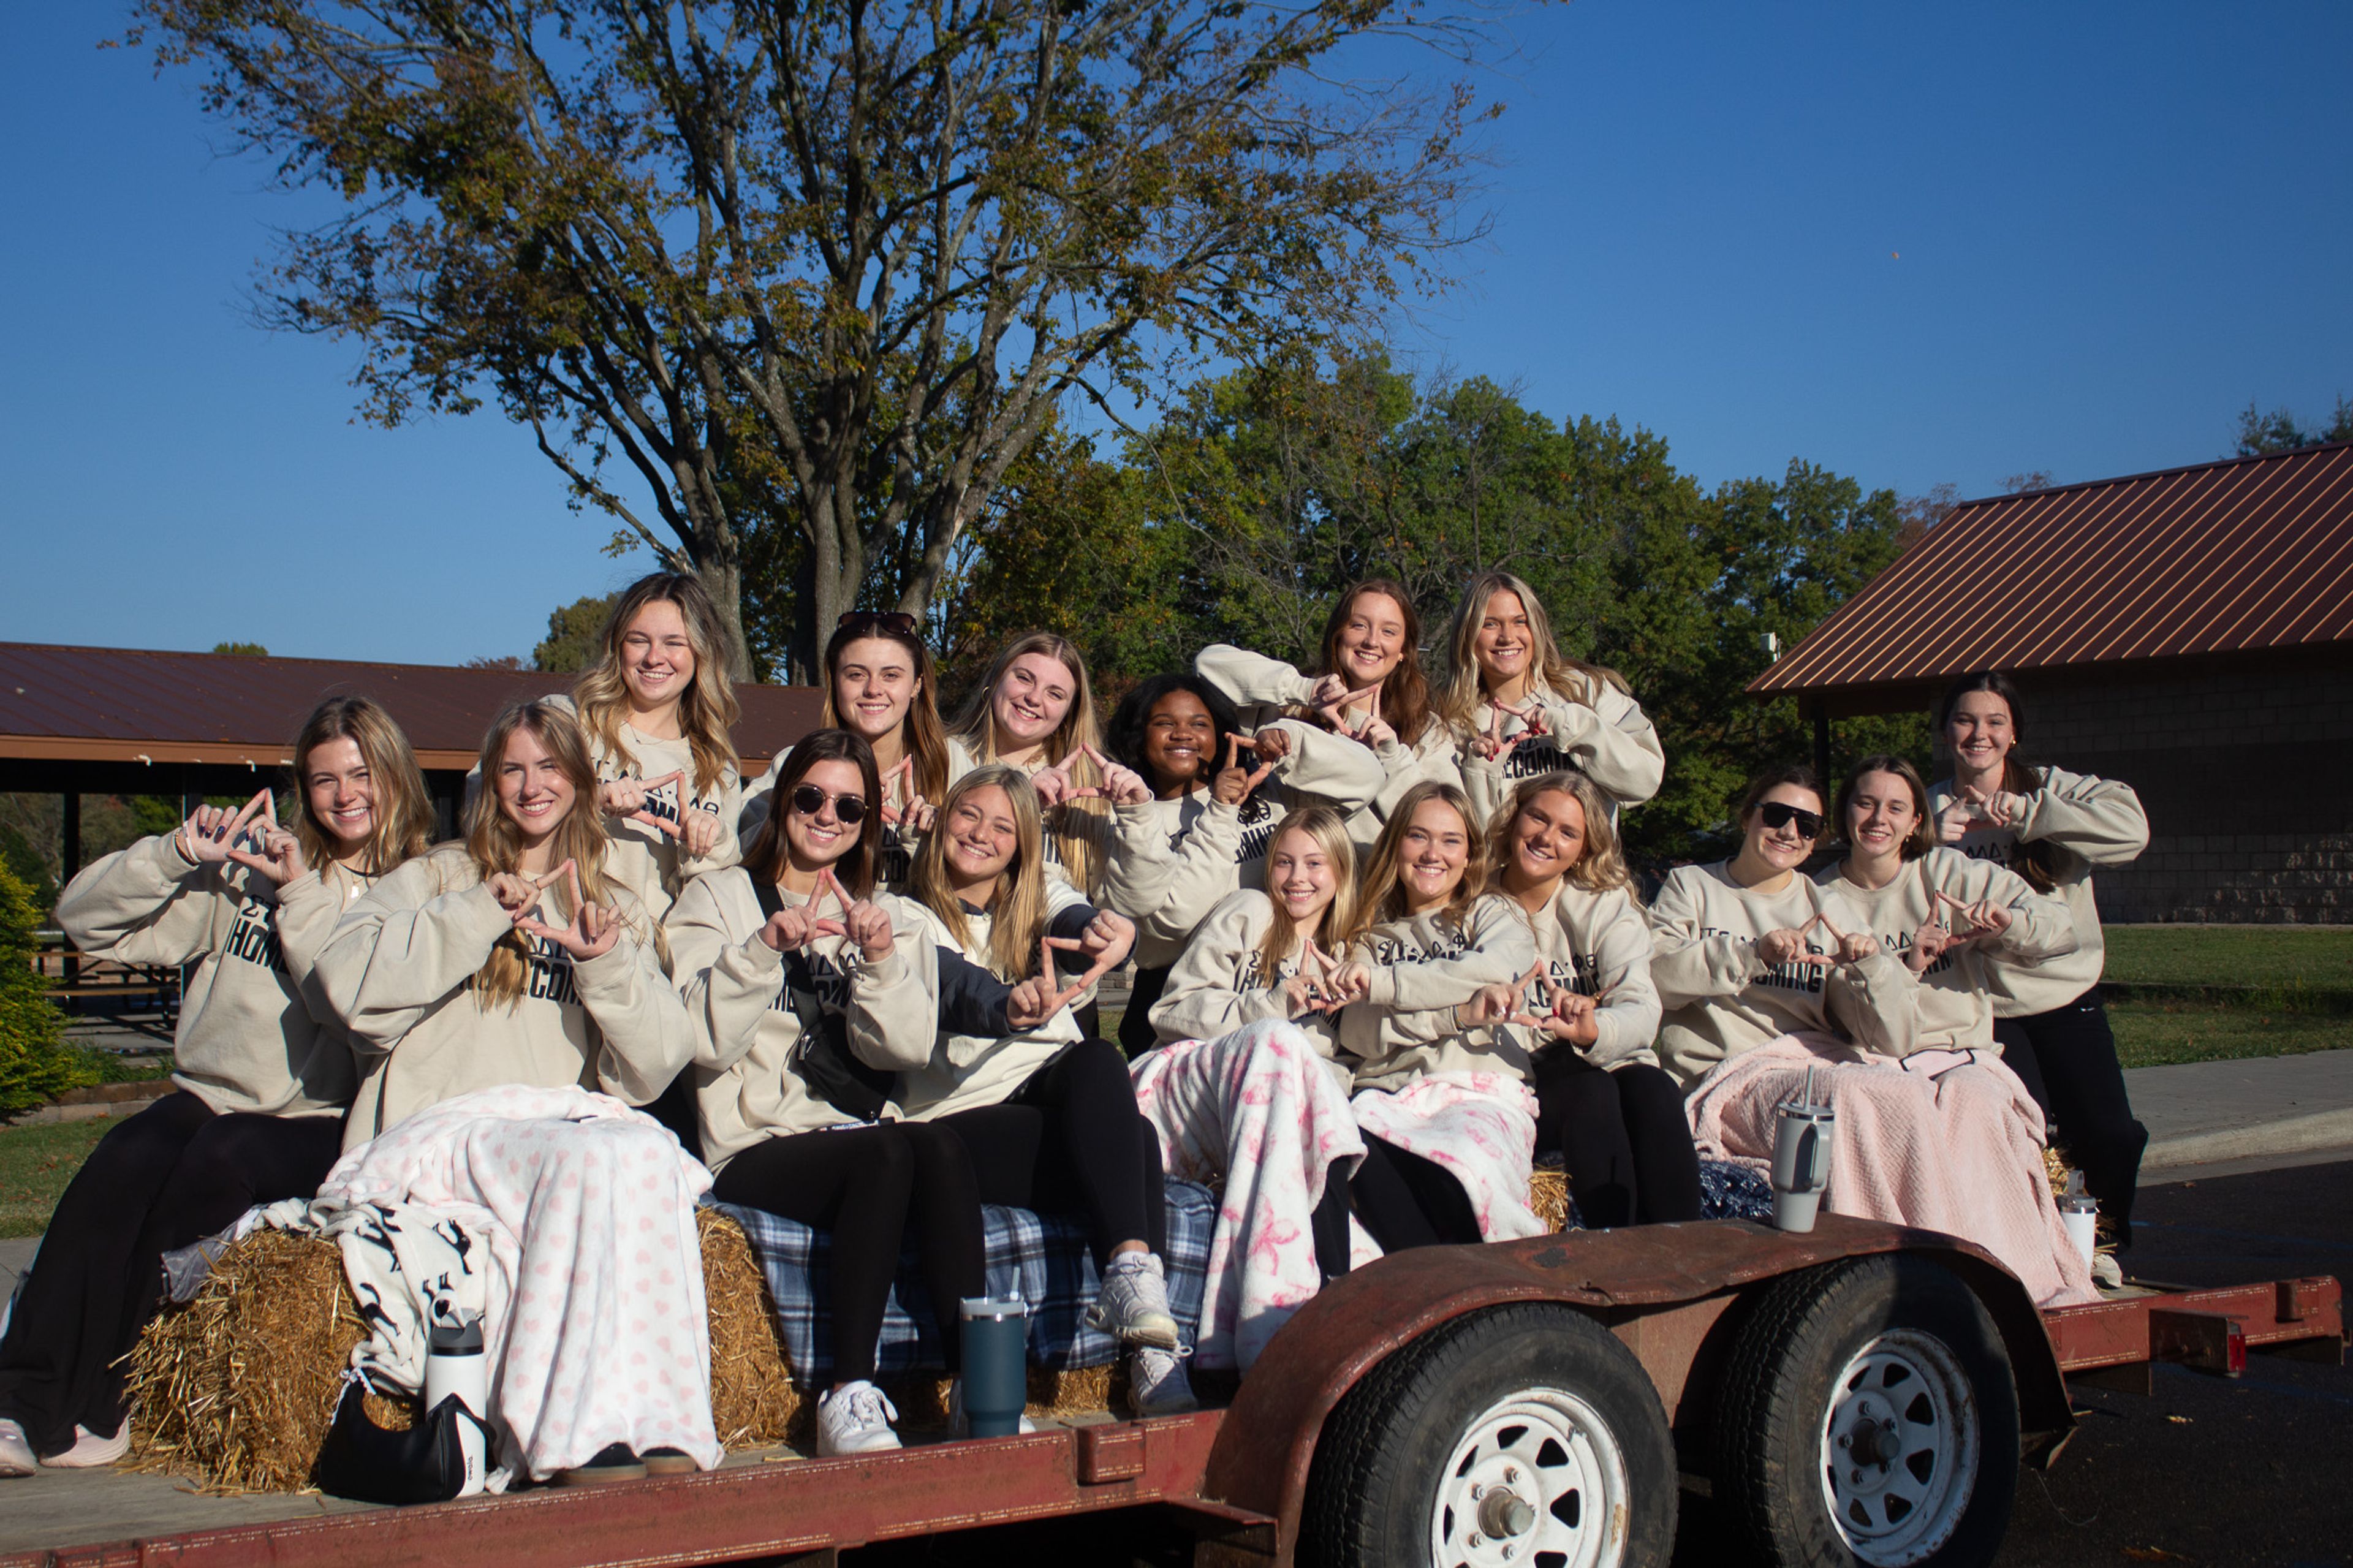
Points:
(996, 1363)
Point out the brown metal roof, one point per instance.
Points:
(2250, 552)
(116, 704)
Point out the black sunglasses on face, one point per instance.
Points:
(848, 809)
(1780, 814)
(894, 621)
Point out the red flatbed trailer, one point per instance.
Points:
(1710, 1322)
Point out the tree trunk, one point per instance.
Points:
(723, 581)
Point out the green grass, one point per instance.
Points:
(2262, 957)
(2151, 1033)
(35, 1163)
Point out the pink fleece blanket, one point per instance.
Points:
(1958, 1148)
(1481, 1127)
(1262, 1109)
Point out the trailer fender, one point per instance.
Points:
(1626, 1278)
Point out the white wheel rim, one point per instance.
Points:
(1899, 1448)
(1542, 1460)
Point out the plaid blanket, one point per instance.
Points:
(1042, 1258)
(1726, 1191)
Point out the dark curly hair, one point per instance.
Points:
(1125, 734)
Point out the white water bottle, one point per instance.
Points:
(455, 1364)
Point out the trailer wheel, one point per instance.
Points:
(1523, 1437)
(1869, 1416)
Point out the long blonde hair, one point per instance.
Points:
(975, 728)
(494, 842)
(707, 710)
(1600, 869)
(1381, 895)
(1571, 679)
(403, 812)
(1017, 913)
(1329, 829)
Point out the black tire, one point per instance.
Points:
(1893, 1353)
(1428, 1423)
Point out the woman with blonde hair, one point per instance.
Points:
(1590, 1015)
(881, 686)
(1521, 708)
(262, 1081)
(1449, 1129)
(656, 708)
(1245, 1087)
(1366, 685)
(486, 983)
(1045, 1111)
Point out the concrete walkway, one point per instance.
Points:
(2272, 1109)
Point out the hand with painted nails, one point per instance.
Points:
(917, 817)
(212, 831)
(1031, 1005)
(592, 930)
(1335, 712)
(1311, 990)
(280, 857)
(1107, 939)
(1574, 1019)
(1496, 1004)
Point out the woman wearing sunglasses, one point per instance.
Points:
(810, 989)
(1774, 984)
(880, 685)
(2052, 828)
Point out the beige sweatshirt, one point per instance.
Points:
(1220, 982)
(1954, 993)
(747, 1038)
(899, 842)
(1597, 944)
(1263, 688)
(399, 970)
(968, 1071)
(2090, 822)
(1604, 735)
(1216, 849)
(253, 1036)
(1423, 968)
(1720, 1001)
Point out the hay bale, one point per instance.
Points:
(1549, 1195)
(753, 1400)
(238, 1386)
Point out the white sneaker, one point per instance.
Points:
(91, 1451)
(854, 1418)
(1156, 1384)
(1133, 1305)
(961, 1424)
(16, 1456)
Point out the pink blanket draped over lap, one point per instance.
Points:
(1956, 1150)
(1480, 1127)
(595, 1322)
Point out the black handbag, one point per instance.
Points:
(362, 1462)
(823, 1057)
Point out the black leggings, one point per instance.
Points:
(1407, 1200)
(864, 1187)
(174, 1174)
(2067, 1059)
(1071, 1140)
(1624, 1137)
(1136, 1034)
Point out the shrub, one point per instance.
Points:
(35, 1065)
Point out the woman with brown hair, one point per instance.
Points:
(810, 988)
(656, 708)
(2051, 827)
(1589, 1020)
(1521, 708)
(1367, 685)
(262, 1082)
(881, 686)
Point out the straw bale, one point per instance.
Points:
(752, 1397)
(1549, 1195)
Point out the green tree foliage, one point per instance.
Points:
(1241, 515)
(2277, 431)
(34, 1066)
(570, 645)
(830, 267)
(250, 649)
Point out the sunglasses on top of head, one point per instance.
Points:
(896, 622)
(1780, 814)
(808, 800)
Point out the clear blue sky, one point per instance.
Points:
(1914, 244)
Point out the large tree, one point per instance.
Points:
(826, 269)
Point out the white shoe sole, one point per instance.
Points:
(91, 1453)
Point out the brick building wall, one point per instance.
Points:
(2244, 763)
